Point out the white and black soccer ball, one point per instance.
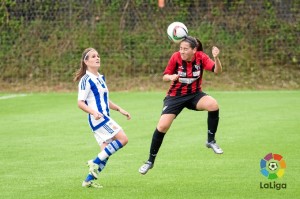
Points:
(177, 31)
(273, 166)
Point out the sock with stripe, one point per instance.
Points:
(109, 150)
(102, 165)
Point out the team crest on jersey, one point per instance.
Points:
(111, 125)
(114, 127)
(181, 74)
(197, 67)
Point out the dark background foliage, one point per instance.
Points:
(42, 41)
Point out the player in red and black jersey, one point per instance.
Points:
(184, 70)
(187, 74)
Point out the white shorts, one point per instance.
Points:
(105, 133)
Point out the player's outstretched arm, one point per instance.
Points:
(115, 107)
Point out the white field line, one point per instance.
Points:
(11, 96)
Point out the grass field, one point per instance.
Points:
(45, 143)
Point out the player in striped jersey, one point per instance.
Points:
(184, 71)
(93, 98)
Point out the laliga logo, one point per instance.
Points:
(272, 166)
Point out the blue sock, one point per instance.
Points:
(97, 160)
(89, 178)
(102, 165)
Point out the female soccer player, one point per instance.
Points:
(93, 98)
(184, 71)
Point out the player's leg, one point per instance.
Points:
(113, 138)
(107, 149)
(118, 142)
(209, 104)
(163, 125)
(172, 106)
(95, 169)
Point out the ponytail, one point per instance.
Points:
(194, 43)
(199, 47)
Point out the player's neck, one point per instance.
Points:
(93, 71)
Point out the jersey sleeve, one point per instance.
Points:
(171, 67)
(84, 88)
(208, 64)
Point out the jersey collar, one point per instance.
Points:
(91, 74)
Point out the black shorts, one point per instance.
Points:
(175, 104)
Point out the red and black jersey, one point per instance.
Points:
(188, 70)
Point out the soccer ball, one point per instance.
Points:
(273, 166)
(177, 31)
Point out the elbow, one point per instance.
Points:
(218, 72)
(79, 104)
(164, 78)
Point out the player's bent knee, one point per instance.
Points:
(165, 123)
(124, 140)
(163, 128)
(121, 136)
(212, 105)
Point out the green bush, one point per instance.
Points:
(43, 40)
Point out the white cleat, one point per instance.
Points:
(93, 168)
(91, 183)
(214, 147)
(145, 167)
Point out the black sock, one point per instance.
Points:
(212, 124)
(157, 139)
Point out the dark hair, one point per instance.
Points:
(194, 42)
(200, 47)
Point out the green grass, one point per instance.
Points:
(45, 142)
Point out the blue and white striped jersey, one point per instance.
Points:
(93, 90)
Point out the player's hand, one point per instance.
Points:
(173, 77)
(215, 51)
(123, 112)
(97, 115)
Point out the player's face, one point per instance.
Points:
(186, 51)
(93, 60)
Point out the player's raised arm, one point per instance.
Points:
(218, 65)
